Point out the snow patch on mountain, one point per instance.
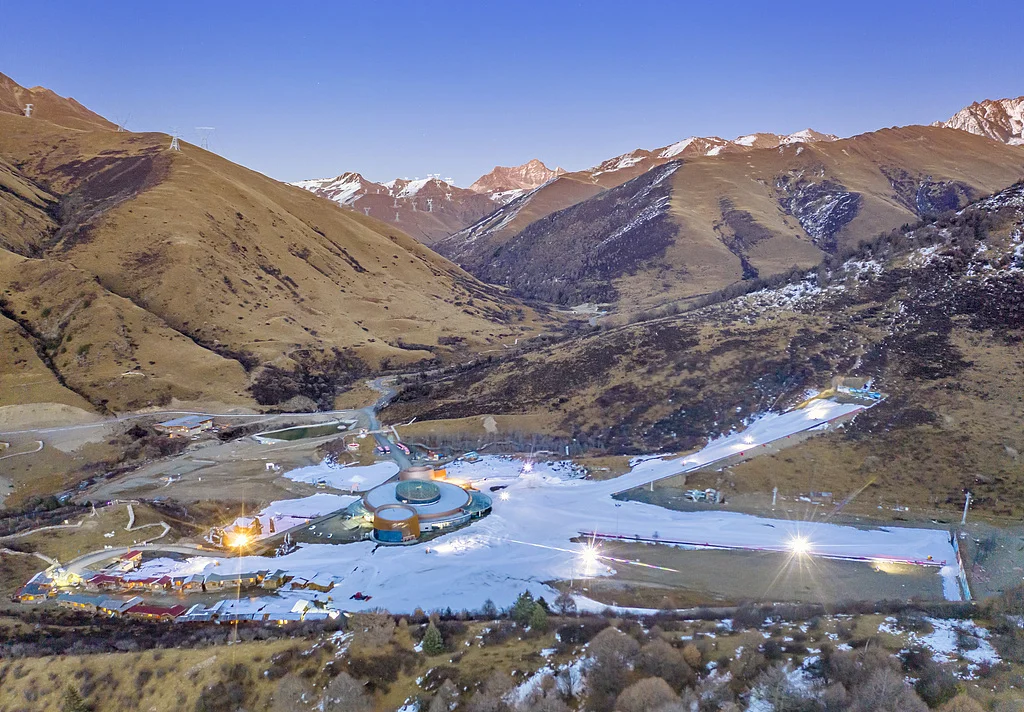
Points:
(1000, 120)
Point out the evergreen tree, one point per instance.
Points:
(522, 608)
(433, 643)
(538, 619)
(72, 701)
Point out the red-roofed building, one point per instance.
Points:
(155, 612)
(131, 560)
(104, 581)
(33, 591)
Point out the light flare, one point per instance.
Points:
(799, 546)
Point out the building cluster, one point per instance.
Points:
(94, 593)
(264, 610)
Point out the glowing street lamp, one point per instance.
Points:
(504, 496)
(238, 540)
(799, 546)
(588, 556)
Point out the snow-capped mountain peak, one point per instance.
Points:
(998, 119)
(506, 183)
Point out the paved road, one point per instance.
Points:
(164, 413)
(39, 446)
(79, 565)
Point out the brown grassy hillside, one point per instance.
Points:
(934, 316)
(48, 106)
(183, 272)
(721, 219)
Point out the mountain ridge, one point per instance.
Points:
(725, 217)
(998, 119)
(140, 275)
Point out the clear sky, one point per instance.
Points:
(401, 89)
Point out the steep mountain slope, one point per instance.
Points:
(570, 188)
(506, 183)
(1000, 120)
(48, 106)
(141, 274)
(694, 226)
(934, 316)
(426, 209)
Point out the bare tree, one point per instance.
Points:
(775, 687)
(570, 682)
(346, 694)
(962, 703)
(292, 694)
(614, 653)
(645, 695)
(659, 659)
(373, 630)
(886, 691)
(445, 699)
(565, 604)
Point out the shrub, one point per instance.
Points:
(579, 633)
(344, 694)
(72, 701)
(648, 694)
(659, 659)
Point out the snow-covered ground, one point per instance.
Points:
(526, 540)
(944, 641)
(766, 429)
(290, 513)
(353, 478)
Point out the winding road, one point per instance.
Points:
(79, 565)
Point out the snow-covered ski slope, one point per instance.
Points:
(767, 429)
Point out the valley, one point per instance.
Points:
(724, 424)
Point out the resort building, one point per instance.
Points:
(402, 512)
(186, 426)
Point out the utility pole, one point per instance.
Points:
(963, 519)
(775, 495)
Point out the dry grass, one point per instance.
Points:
(176, 679)
(66, 544)
(482, 426)
(233, 261)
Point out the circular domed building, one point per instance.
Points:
(405, 510)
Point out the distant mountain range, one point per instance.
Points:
(665, 229)
(635, 234)
(430, 208)
(457, 212)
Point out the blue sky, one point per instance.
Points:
(401, 89)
